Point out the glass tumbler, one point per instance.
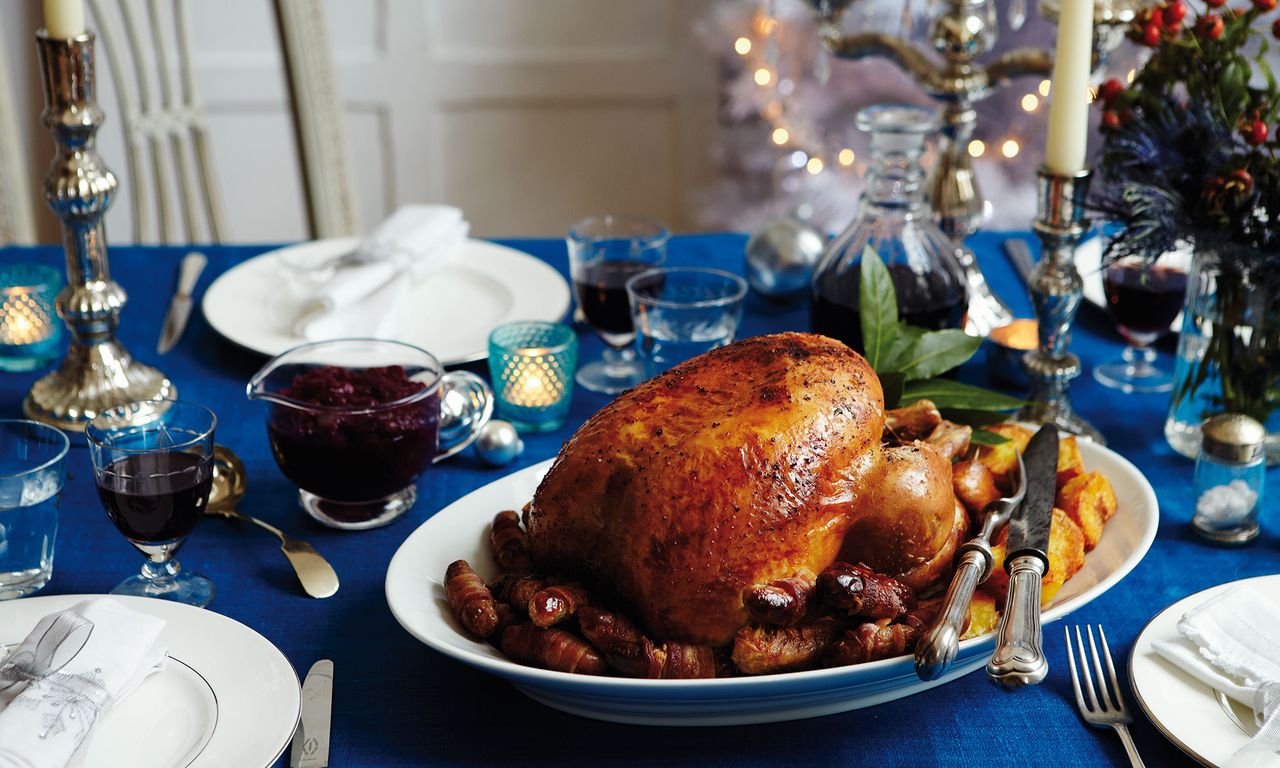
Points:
(532, 366)
(682, 312)
(33, 465)
(605, 252)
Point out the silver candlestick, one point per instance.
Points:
(97, 373)
(1056, 289)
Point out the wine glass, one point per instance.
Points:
(605, 252)
(154, 479)
(1143, 297)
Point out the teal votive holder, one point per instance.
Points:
(30, 329)
(532, 366)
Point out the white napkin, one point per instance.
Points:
(367, 294)
(71, 668)
(1232, 644)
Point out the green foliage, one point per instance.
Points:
(908, 359)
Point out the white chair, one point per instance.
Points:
(317, 118)
(164, 124)
(166, 133)
(17, 224)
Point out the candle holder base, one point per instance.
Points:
(1048, 402)
(92, 379)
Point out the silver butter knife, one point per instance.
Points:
(175, 322)
(311, 742)
(1019, 657)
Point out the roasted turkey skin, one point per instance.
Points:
(744, 465)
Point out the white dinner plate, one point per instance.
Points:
(450, 314)
(1207, 727)
(226, 697)
(459, 531)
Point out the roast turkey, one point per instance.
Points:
(754, 462)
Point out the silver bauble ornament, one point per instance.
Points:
(781, 257)
(498, 443)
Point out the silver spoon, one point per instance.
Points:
(229, 482)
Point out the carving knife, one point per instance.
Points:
(1019, 658)
(311, 742)
(175, 322)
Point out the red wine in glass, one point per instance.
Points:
(602, 293)
(1143, 299)
(155, 498)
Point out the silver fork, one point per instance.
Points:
(1106, 707)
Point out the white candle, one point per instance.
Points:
(64, 19)
(1069, 104)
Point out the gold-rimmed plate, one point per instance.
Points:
(1206, 725)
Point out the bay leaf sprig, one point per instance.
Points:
(909, 359)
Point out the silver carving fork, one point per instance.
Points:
(1106, 707)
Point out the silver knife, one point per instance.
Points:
(180, 305)
(311, 742)
(1019, 658)
(1019, 254)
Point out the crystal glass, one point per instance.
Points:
(154, 480)
(30, 329)
(355, 422)
(1143, 299)
(605, 252)
(33, 465)
(681, 312)
(894, 220)
(532, 366)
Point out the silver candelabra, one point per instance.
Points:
(98, 372)
(1056, 289)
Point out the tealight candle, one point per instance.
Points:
(30, 331)
(532, 366)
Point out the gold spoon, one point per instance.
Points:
(229, 481)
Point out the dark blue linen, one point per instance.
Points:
(398, 703)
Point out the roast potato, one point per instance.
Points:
(1066, 556)
(983, 616)
(1090, 501)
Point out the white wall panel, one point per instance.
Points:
(528, 113)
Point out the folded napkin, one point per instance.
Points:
(366, 295)
(1232, 644)
(67, 672)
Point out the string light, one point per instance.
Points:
(1009, 149)
(976, 148)
(781, 135)
(1044, 88)
(846, 157)
(1133, 73)
(763, 76)
(742, 45)
(814, 165)
(1030, 102)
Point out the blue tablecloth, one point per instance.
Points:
(398, 703)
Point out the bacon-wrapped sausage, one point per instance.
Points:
(469, 599)
(761, 650)
(551, 649)
(856, 590)
(507, 541)
(784, 602)
(553, 605)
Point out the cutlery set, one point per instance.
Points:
(1019, 659)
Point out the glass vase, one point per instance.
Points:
(1228, 350)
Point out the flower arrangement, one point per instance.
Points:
(1192, 147)
(1191, 151)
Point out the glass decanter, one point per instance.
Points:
(894, 219)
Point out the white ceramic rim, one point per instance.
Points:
(556, 290)
(196, 658)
